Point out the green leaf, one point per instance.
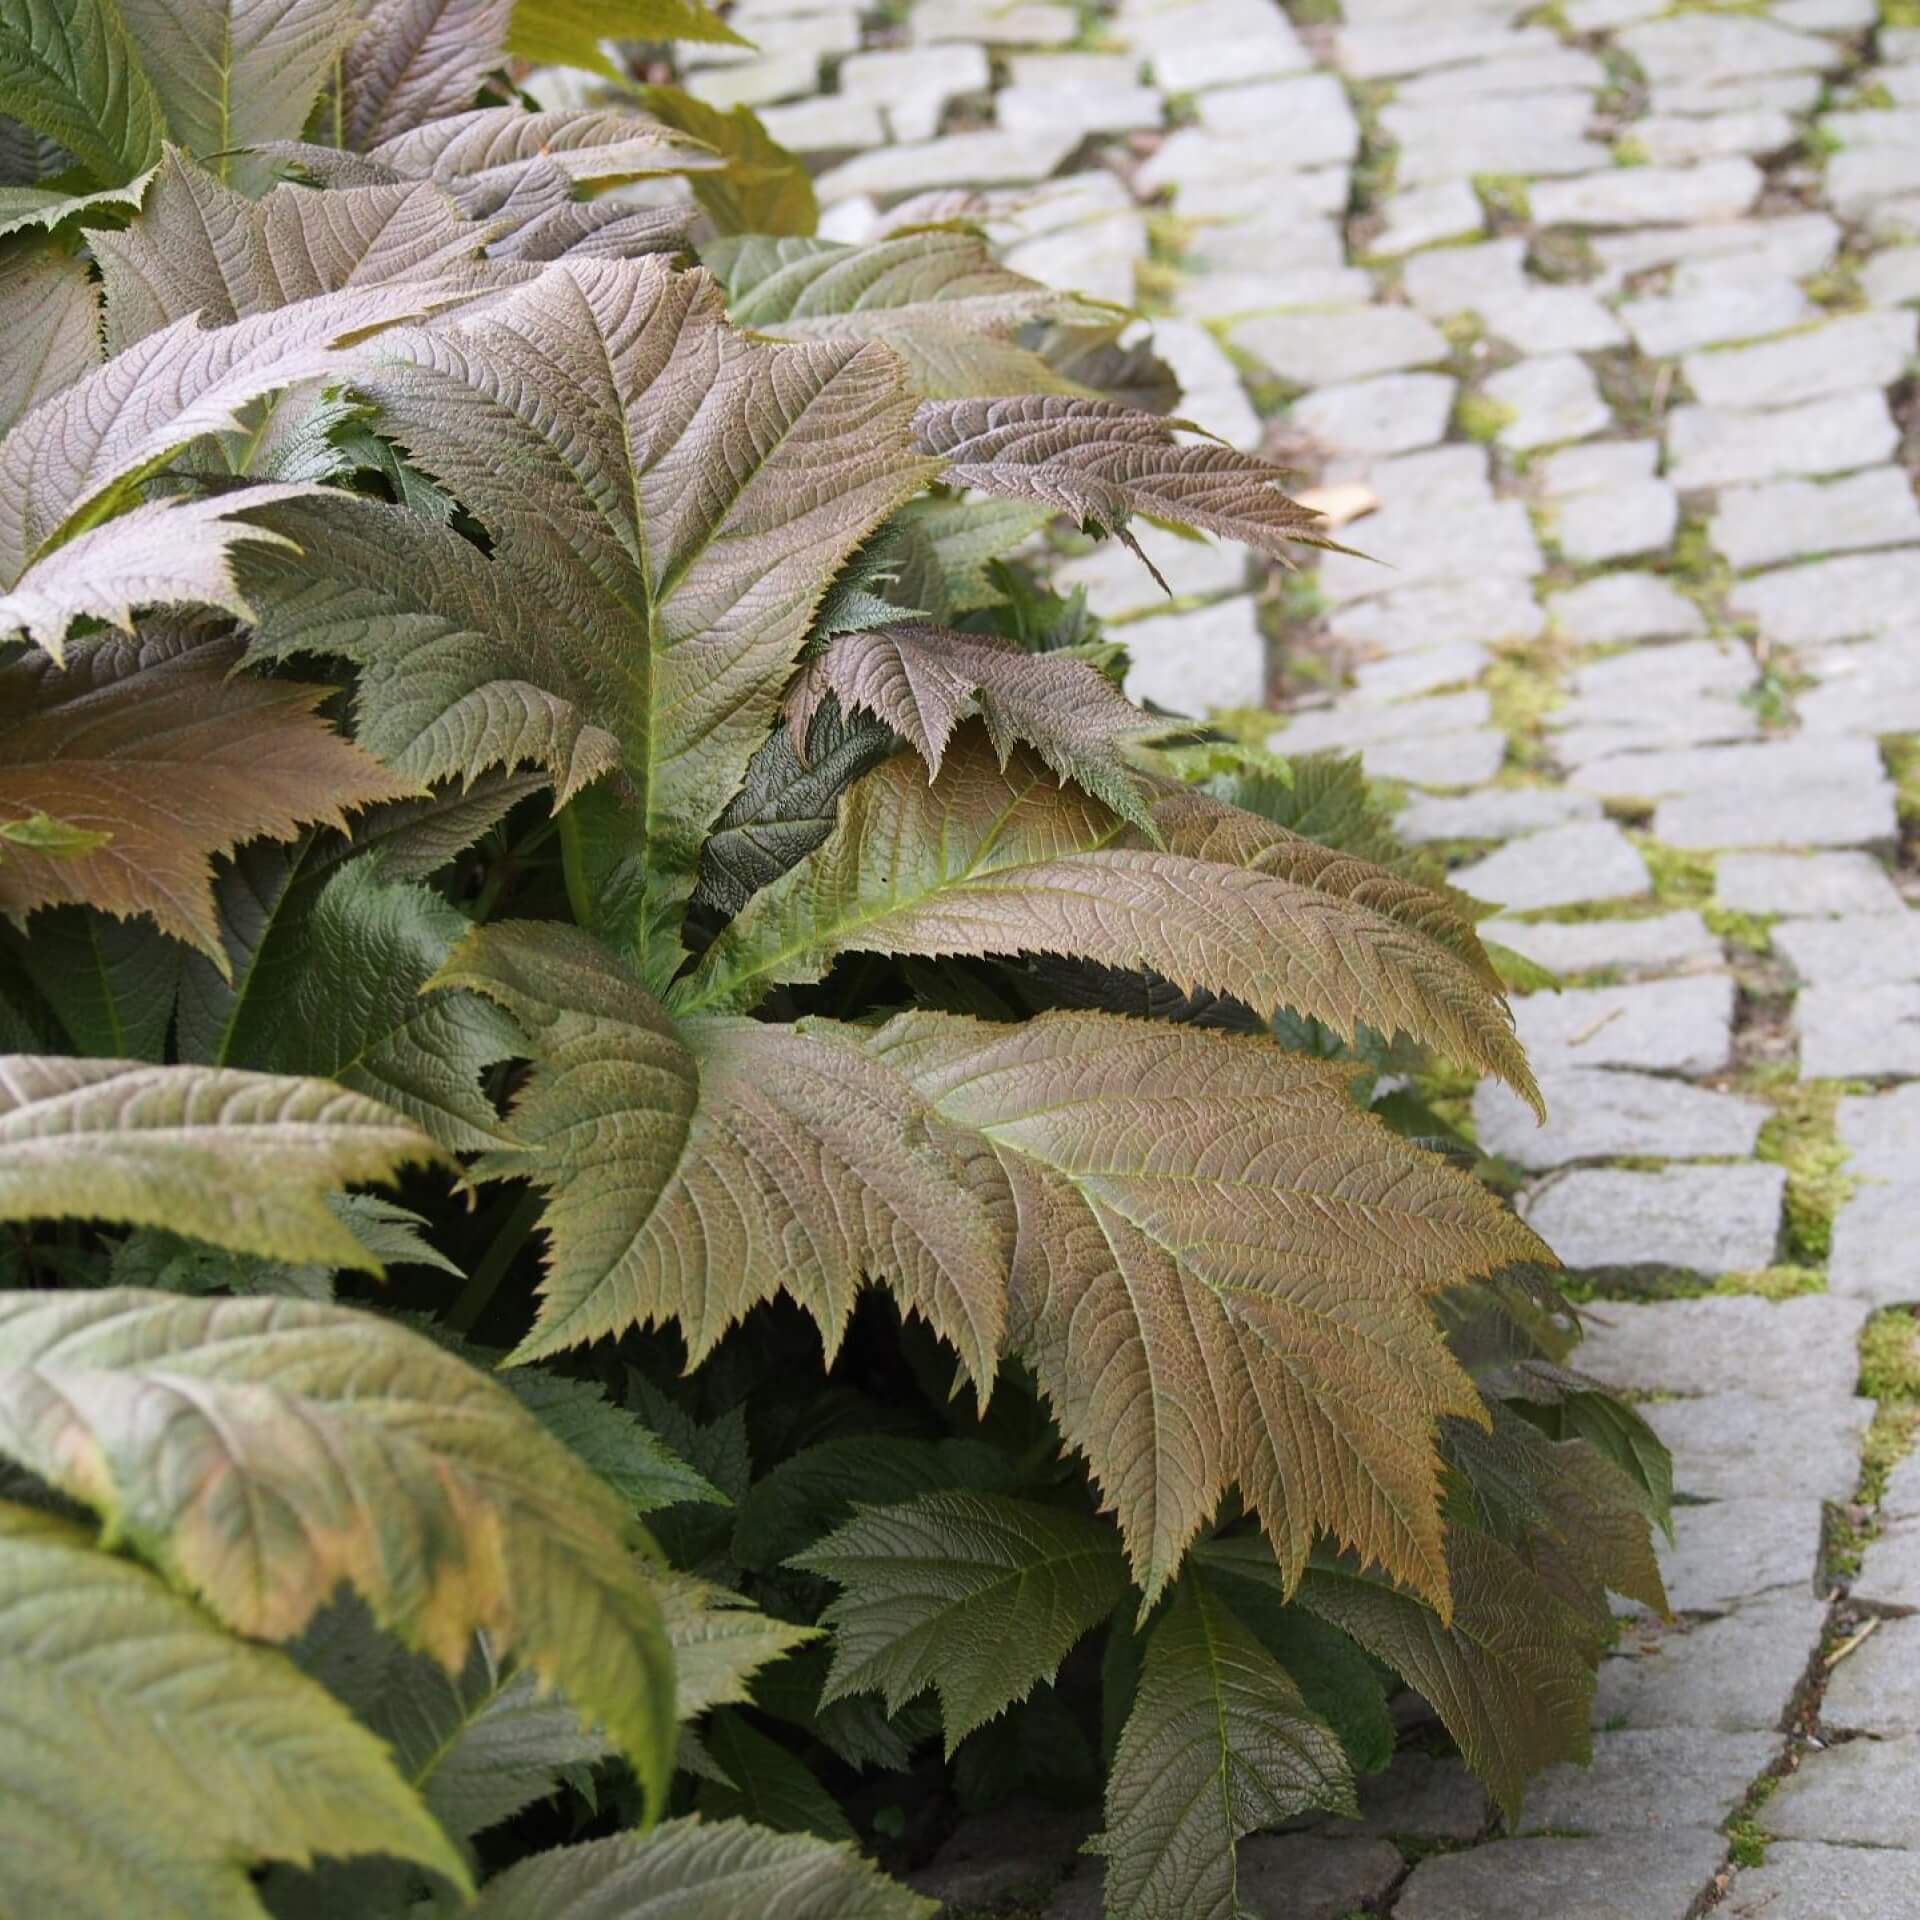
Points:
(1219, 1744)
(111, 981)
(262, 1452)
(696, 1168)
(938, 297)
(568, 33)
(813, 1491)
(629, 1456)
(244, 1160)
(700, 1870)
(976, 1595)
(719, 1643)
(42, 833)
(237, 73)
(334, 982)
(148, 1761)
(771, 1785)
(149, 1257)
(45, 209)
(967, 536)
(787, 804)
(762, 188)
(477, 1745)
(68, 69)
(684, 606)
(1335, 1678)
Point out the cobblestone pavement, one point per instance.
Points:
(1608, 304)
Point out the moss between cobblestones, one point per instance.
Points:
(1680, 878)
(1890, 1375)
(1504, 195)
(1751, 931)
(1479, 417)
(1746, 1835)
(1800, 1137)
(1902, 757)
(1524, 686)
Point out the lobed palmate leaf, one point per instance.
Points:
(263, 1452)
(1002, 860)
(923, 681)
(149, 1761)
(699, 1167)
(762, 188)
(414, 61)
(246, 1161)
(1221, 1273)
(52, 336)
(69, 70)
(667, 502)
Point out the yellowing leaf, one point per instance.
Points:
(698, 1168)
(1219, 1744)
(1222, 1274)
(149, 1762)
(244, 1160)
(762, 188)
(262, 1452)
(165, 757)
(568, 33)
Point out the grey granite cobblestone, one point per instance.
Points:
(1660, 463)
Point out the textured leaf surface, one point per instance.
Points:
(244, 1160)
(156, 746)
(417, 60)
(111, 981)
(237, 73)
(761, 189)
(1221, 1273)
(698, 1168)
(480, 157)
(202, 248)
(699, 1870)
(993, 860)
(787, 804)
(70, 461)
(667, 501)
(52, 336)
(628, 1455)
(341, 993)
(940, 299)
(975, 1595)
(923, 681)
(1102, 462)
(719, 1642)
(1511, 1674)
(68, 70)
(262, 1452)
(150, 1760)
(1219, 1744)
